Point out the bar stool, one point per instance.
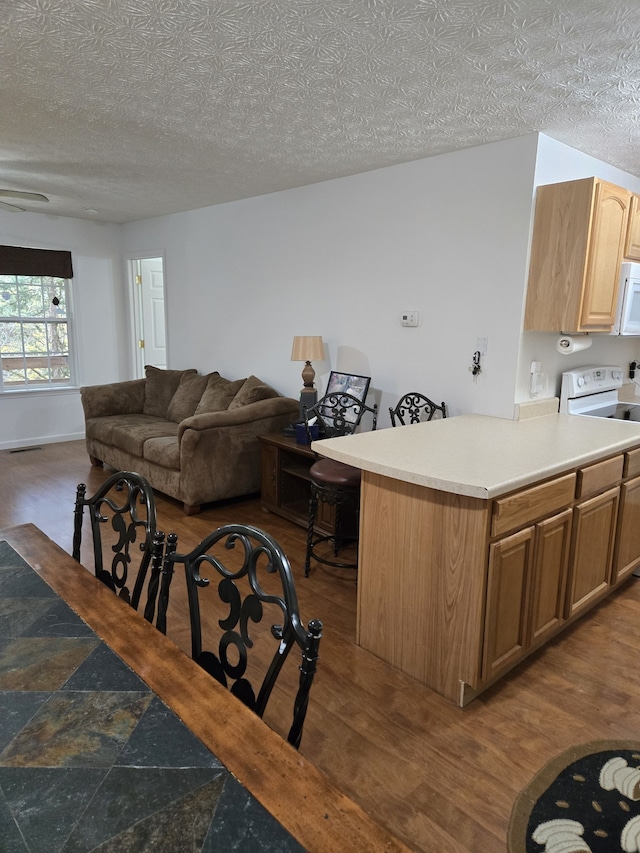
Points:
(413, 408)
(335, 483)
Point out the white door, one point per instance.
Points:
(150, 314)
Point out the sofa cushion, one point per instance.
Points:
(160, 386)
(218, 394)
(188, 394)
(132, 431)
(164, 451)
(101, 428)
(254, 389)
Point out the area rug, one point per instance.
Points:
(586, 800)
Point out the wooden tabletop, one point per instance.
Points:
(292, 789)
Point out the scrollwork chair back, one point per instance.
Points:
(254, 581)
(126, 543)
(413, 408)
(339, 413)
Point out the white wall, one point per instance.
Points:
(100, 321)
(447, 236)
(557, 162)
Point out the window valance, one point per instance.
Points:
(16, 260)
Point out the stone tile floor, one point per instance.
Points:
(90, 758)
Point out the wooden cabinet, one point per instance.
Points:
(579, 234)
(479, 584)
(285, 482)
(594, 532)
(507, 602)
(627, 553)
(526, 586)
(632, 243)
(549, 580)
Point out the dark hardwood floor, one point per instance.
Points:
(439, 777)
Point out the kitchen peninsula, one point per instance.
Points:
(481, 538)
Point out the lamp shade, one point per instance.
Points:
(307, 348)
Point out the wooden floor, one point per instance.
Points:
(439, 777)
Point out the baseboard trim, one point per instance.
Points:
(43, 439)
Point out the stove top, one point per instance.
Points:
(617, 411)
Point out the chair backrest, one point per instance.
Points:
(413, 408)
(339, 413)
(126, 543)
(255, 581)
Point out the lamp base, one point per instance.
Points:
(308, 398)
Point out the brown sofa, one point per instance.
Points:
(193, 437)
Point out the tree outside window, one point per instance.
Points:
(34, 331)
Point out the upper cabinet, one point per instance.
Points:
(579, 234)
(632, 243)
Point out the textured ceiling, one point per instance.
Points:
(138, 108)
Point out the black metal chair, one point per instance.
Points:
(414, 408)
(255, 581)
(122, 515)
(335, 483)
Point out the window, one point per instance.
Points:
(34, 331)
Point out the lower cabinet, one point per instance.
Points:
(507, 601)
(627, 555)
(594, 533)
(526, 590)
(549, 582)
(531, 585)
(485, 583)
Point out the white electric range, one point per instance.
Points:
(593, 391)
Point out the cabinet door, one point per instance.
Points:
(592, 552)
(608, 233)
(632, 244)
(549, 581)
(627, 556)
(507, 602)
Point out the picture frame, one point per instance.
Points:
(348, 383)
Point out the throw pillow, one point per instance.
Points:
(159, 388)
(254, 389)
(218, 394)
(185, 401)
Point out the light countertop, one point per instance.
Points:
(482, 456)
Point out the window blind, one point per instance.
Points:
(16, 260)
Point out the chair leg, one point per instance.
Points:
(313, 507)
(337, 540)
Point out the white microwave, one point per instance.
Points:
(628, 313)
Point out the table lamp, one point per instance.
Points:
(307, 348)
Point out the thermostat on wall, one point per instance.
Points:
(410, 318)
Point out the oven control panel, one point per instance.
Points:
(594, 379)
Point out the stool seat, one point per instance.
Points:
(328, 472)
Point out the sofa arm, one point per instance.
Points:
(220, 451)
(274, 407)
(116, 398)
